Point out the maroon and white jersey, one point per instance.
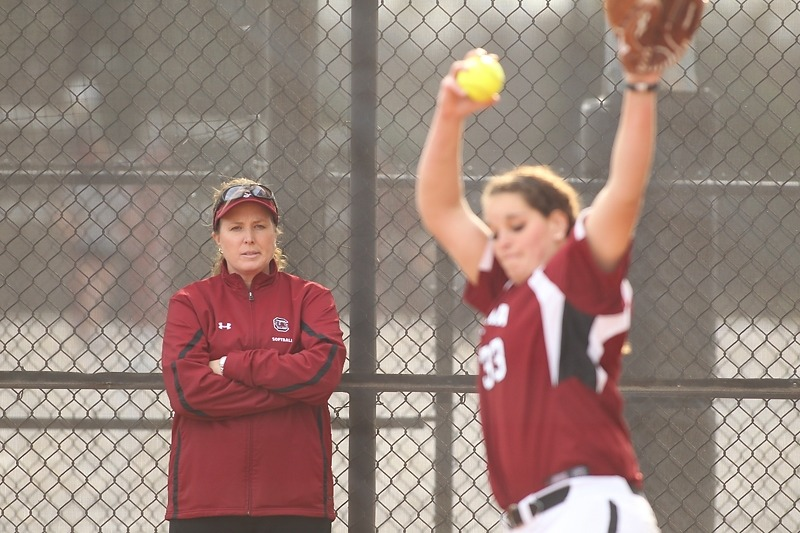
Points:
(549, 359)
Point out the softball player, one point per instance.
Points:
(550, 281)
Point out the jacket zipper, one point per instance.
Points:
(251, 298)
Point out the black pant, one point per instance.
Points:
(251, 524)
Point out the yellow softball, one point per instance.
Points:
(481, 78)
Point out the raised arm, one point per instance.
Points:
(651, 37)
(440, 197)
(615, 210)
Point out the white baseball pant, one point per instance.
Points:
(593, 504)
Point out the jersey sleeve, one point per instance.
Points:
(193, 389)
(491, 279)
(309, 375)
(590, 288)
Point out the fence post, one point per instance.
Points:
(363, 334)
(443, 430)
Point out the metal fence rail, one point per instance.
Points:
(117, 119)
(783, 389)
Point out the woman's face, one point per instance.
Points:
(247, 237)
(524, 239)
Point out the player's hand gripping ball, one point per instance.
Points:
(481, 78)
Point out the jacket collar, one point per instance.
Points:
(262, 279)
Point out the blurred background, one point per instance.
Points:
(118, 119)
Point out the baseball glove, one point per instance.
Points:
(652, 34)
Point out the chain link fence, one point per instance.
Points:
(117, 120)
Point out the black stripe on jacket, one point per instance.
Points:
(323, 369)
(178, 387)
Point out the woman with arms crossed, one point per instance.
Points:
(250, 358)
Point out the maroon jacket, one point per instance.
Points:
(255, 441)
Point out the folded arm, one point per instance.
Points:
(192, 387)
(309, 375)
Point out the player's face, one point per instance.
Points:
(524, 238)
(247, 237)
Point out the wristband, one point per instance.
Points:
(642, 87)
(222, 364)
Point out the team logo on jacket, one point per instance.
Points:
(224, 325)
(280, 324)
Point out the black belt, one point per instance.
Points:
(575, 471)
(581, 470)
(551, 499)
(539, 505)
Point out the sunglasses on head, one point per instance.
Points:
(235, 192)
(243, 191)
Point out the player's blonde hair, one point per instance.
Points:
(216, 266)
(540, 187)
